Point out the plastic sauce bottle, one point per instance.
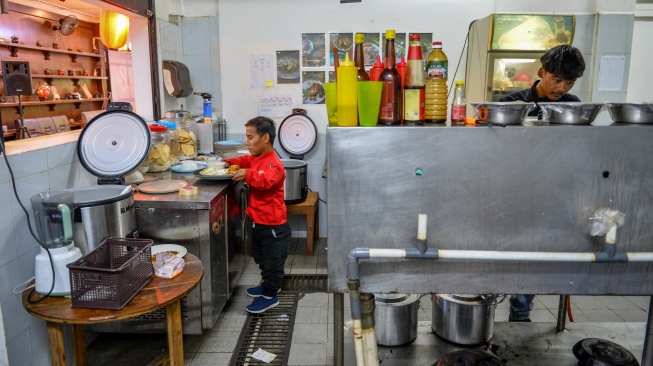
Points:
(377, 69)
(391, 96)
(414, 84)
(359, 58)
(458, 106)
(347, 93)
(435, 102)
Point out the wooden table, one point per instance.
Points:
(9, 134)
(77, 124)
(309, 208)
(159, 292)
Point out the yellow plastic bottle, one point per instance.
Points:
(347, 93)
(435, 102)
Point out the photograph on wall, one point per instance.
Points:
(343, 43)
(371, 48)
(313, 87)
(400, 45)
(313, 50)
(527, 32)
(288, 67)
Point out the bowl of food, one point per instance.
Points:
(509, 113)
(631, 112)
(571, 113)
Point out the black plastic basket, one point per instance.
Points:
(112, 274)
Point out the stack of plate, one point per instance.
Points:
(229, 148)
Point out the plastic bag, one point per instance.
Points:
(604, 218)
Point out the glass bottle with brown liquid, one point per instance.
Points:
(391, 96)
(359, 57)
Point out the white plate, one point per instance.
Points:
(146, 178)
(162, 186)
(181, 251)
(178, 169)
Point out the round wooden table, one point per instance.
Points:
(159, 292)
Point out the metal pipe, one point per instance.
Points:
(647, 354)
(562, 313)
(357, 329)
(338, 331)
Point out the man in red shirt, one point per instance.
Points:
(264, 172)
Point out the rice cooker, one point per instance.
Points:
(297, 136)
(110, 146)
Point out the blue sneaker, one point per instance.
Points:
(261, 304)
(256, 291)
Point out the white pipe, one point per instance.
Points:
(611, 235)
(421, 227)
(516, 256)
(369, 348)
(357, 330)
(387, 253)
(640, 257)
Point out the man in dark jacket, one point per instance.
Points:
(561, 66)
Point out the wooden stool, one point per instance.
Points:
(309, 208)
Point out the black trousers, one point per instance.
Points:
(270, 245)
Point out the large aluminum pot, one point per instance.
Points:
(100, 212)
(464, 319)
(395, 318)
(295, 187)
(502, 113)
(570, 113)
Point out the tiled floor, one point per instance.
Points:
(312, 342)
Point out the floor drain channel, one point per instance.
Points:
(271, 331)
(305, 283)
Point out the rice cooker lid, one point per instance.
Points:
(99, 195)
(113, 144)
(297, 134)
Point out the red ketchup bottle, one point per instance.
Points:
(376, 69)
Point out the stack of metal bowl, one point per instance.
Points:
(631, 112)
(570, 113)
(508, 113)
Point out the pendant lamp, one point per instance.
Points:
(114, 29)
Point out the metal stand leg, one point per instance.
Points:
(562, 313)
(647, 355)
(338, 328)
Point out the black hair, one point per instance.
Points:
(263, 125)
(564, 61)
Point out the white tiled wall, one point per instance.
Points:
(34, 172)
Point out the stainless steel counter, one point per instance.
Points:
(519, 188)
(211, 225)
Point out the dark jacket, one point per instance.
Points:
(530, 95)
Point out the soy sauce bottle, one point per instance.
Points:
(391, 96)
(359, 58)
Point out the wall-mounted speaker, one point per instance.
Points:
(17, 78)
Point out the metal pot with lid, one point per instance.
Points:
(178, 116)
(297, 136)
(110, 146)
(395, 318)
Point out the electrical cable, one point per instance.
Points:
(3, 151)
(469, 29)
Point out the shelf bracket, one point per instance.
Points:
(51, 107)
(74, 57)
(47, 54)
(14, 51)
(76, 82)
(77, 105)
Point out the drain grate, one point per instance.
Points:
(305, 283)
(271, 331)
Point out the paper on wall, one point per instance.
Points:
(275, 105)
(261, 70)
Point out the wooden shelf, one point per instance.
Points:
(76, 77)
(14, 47)
(53, 103)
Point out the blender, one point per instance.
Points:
(53, 212)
